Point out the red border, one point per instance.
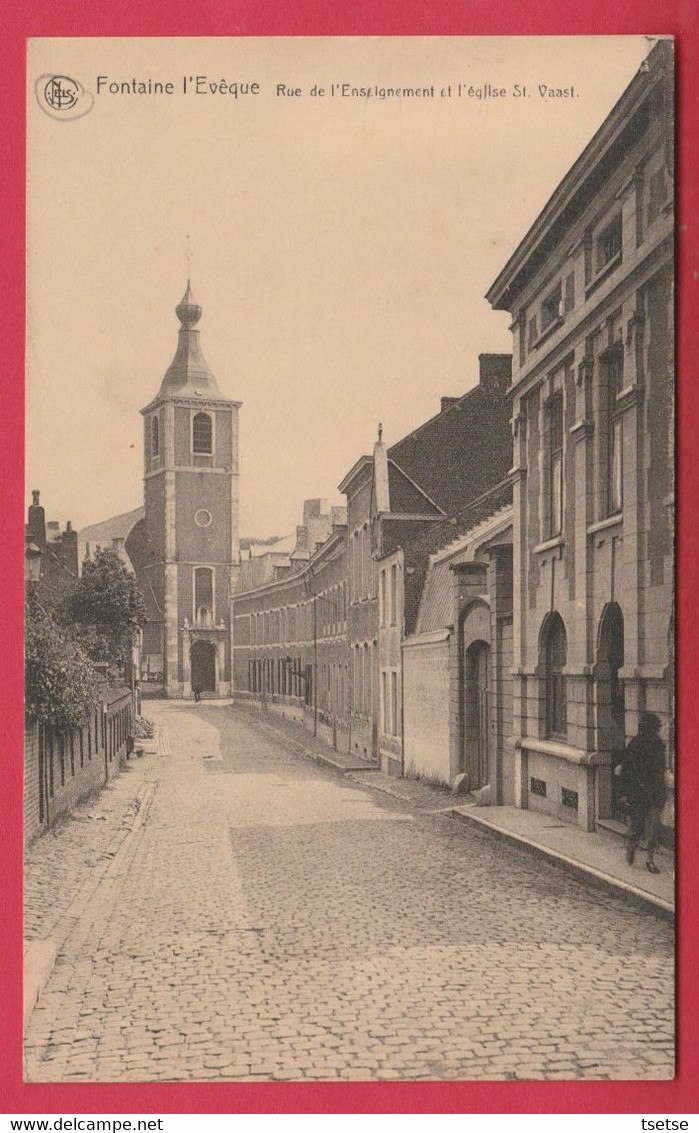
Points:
(337, 17)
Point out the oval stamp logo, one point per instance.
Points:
(62, 98)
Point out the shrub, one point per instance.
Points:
(61, 683)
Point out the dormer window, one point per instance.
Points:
(155, 438)
(202, 434)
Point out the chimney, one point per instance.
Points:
(495, 372)
(312, 508)
(69, 549)
(36, 523)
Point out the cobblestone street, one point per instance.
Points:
(268, 919)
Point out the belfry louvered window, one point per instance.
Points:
(202, 434)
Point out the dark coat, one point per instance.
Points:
(643, 771)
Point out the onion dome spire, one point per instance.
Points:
(189, 374)
(188, 310)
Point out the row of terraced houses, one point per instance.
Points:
(496, 597)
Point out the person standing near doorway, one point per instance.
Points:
(197, 693)
(642, 784)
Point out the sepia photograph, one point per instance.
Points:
(349, 733)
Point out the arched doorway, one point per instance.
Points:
(203, 658)
(475, 713)
(611, 707)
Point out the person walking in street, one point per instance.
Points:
(197, 694)
(642, 773)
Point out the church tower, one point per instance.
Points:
(190, 448)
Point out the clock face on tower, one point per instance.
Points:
(202, 517)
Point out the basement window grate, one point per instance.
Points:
(538, 787)
(569, 798)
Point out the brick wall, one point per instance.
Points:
(60, 769)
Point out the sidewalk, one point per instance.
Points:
(64, 867)
(598, 857)
(301, 739)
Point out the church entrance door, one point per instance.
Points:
(203, 658)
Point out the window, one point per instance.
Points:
(569, 299)
(556, 650)
(384, 699)
(203, 596)
(358, 680)
(394, 594)
(608, 244)
(384, 599)
(552, 307)
(532, 332)
(154, 437)
(614, 368)
(366, 555)
(202, 434)
(569, 798)
(555, 470)
(366, 696)
(657, 193)
(394, 703)
(357, 564)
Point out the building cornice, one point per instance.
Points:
(632, 104)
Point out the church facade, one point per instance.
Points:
(185, 548)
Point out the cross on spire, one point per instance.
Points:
(188, 258)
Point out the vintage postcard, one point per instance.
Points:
(350, 710)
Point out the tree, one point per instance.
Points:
(107, 607)
(61, 683)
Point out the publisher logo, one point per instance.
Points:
(61, 93)
(62, 98)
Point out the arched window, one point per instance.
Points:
(202, 434)
(154, 437)
(203, 596)
(556, 650)
(610, 659)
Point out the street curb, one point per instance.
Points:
(595, 877)
(315, 755)
(40, 955)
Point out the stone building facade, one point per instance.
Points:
(290, 629)
(457, 664)
(398, 501)
(590, 292)
(185, 549)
